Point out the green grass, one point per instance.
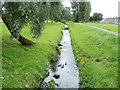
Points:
(0, 55)
(111, 27)
(50, 84)
(91, 45)
(26, 66)
(0, 20)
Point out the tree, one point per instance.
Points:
(75, 7)
(81, 11)
(91, 18)
(55, 11)
(18, 14)
(87, 11)
(96, 17)
(65, 14)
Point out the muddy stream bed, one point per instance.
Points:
(64, 72)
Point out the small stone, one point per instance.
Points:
(57, 84)
(59, 65)
(60, 44)
(66, 63)
(56, 76)
(62, 66)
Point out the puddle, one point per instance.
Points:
(64, 72)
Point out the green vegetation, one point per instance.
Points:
(17, 14)
(96, 17)
(50, 84)
(26, 66)
(25, 61)
(96, 55)
(0, 54)
(81, 11)
(111, 27)
(0, 20)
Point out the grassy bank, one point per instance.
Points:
(96, 54)
(111, 27)
(26, 66)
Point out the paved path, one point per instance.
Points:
(115, 33)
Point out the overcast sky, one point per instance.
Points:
(109, 8)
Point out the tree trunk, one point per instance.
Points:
(25, 41)
(21, 39)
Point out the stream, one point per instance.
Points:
(64, 72)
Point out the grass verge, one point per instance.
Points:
(96, 54)
(26, 66)
(111, 27)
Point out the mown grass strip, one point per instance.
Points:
(26, 66)
(111, 27)
(96, 54)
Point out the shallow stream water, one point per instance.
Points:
(65, 71)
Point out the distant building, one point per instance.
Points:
(111, 20)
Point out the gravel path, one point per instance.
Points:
(115, 33)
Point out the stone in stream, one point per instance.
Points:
(59, 65)
(62, 66)
(60, 44)
(56, 76)
(57, 84)
(66, 63)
